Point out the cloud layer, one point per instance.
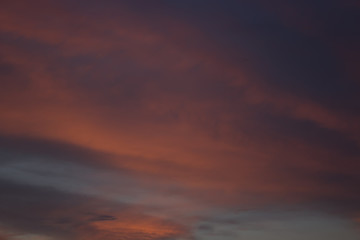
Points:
(138, 120)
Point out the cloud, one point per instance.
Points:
(198, 113)
(104, 218)
(49, 212)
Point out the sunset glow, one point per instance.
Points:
(179, 120)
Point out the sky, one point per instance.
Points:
(179, 120)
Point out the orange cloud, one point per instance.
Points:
(178, 112)
(50, 109)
